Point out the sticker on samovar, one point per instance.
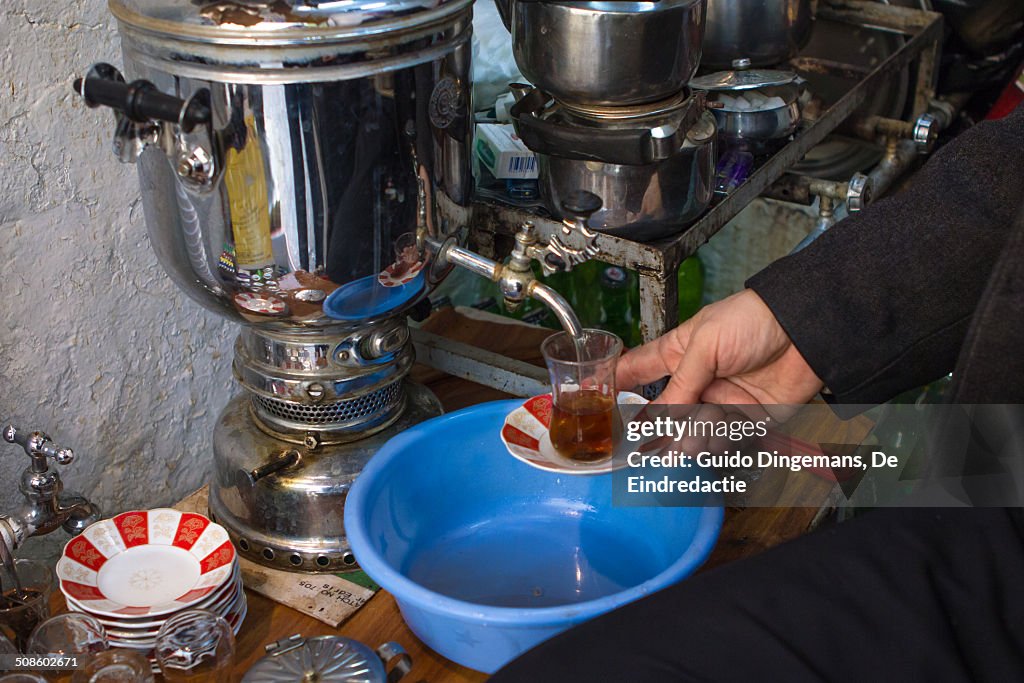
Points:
(408, 263)
(226, 262)
(261, 304)
(447, 102)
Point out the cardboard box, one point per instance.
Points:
(500, 150)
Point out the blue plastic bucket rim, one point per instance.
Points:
(407, 591)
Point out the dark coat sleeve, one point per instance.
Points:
(881, 303)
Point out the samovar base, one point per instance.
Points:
(283, 503)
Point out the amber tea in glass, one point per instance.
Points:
(582, 426)
(585, 423)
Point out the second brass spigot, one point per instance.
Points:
(923, 132)
(857, 193)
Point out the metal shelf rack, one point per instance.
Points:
(657, 263)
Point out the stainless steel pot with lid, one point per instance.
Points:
(652, 165)
(606, 53)
(294, 156)
(755, 106)
(765, 32)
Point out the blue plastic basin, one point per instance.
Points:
(488, 557)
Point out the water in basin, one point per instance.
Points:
(533, 562)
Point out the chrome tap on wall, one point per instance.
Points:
(47, 506)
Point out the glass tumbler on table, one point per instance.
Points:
(194, 645)
(72, 634)
(21, 613)
(585, 422)
(115, 666)
(69, 634)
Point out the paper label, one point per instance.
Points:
(325, 597)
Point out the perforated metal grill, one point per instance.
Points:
(341, 413)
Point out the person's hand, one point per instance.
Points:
(731, 352)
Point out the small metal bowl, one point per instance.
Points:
(761, 125)
(757, 127)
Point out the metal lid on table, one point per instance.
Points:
(275, 22)
(743, 80)
(328, 659)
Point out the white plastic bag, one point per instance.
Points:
(494, 67)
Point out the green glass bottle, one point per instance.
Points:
(561, 282)
(586, 292)
(691, 287)
(615, 306)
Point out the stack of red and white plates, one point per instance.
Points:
(137, 570)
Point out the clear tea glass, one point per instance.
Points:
(194, 645)
(19, 615)
(585, 422)
(115, 666)
(69, 634)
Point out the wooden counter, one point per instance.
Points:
(745, 531)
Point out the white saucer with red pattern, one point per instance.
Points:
(525, 435)
(146, 563)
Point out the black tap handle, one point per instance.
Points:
(141, 101)
(581, 204)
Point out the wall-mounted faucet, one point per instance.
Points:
(47, 506)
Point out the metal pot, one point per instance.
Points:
(606, 53)
(754, 126)
(641, 203)
(766, 32)
(653, 166)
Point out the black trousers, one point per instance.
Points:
(894, 595)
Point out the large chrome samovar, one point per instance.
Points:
(299, 164)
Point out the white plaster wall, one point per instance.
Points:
(97, 347)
